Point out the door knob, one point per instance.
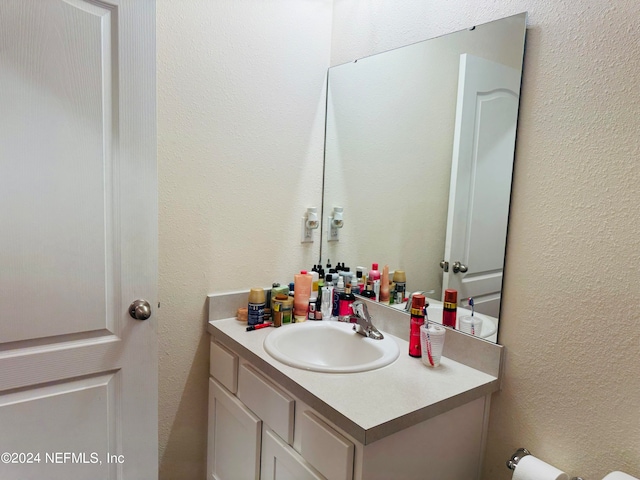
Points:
(140, 310)
(459, 267)
(444, 265)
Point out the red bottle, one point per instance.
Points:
(450, 308)
(417, 320)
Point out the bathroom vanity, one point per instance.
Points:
(268, 420)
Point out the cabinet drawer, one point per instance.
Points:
(267, 401)
(280, 461)
(223, 366)
(324, 448)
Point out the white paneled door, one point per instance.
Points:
(481, 171)
(78, 239)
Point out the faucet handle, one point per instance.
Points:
(360, 309)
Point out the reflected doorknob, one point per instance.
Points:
(459, 267)
(444, 266)
(140, 310)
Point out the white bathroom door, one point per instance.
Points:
(481, 171)
(78, 239)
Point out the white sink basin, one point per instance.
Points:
(327, 346)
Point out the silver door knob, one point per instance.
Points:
(444, 266)
(140, 310)
(459, 267)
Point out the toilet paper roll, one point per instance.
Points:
(532, 468)
(619, 476)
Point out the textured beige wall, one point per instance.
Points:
(240, 120)
(569, 320)
(241, 94)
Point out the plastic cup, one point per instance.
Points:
(432, 343)
(470, 324)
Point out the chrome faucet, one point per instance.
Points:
(362, 321)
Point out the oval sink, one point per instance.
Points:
(328, 346)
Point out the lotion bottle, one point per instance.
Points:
(301, 295)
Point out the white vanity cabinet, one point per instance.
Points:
(251, 433)
(259, 430)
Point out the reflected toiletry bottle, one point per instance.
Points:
(384, 285)
(337, 290)
(400, 279)
(301, 294)
(450, 308)
(417, 320)
(257, 301)
(346, 301)
(359, 281)
(374, 278)
(368, 292)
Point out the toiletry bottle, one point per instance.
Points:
(400, 279)
(311, 309)
(346, 301)
(301, 295)
(315, 277)
(417, 320)
(257, 301)
(279, 303)
(450, 308)
(327, 298)
(337, 290)
(287, 310)
(384, 285)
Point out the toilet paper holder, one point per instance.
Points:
(523, 452)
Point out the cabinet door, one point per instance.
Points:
(281, 462)
(234, 437)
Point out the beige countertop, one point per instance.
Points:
(366, 405)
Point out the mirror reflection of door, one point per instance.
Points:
(481, 172)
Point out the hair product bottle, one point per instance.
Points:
(417, 320)
(257, 303)
(450, 308)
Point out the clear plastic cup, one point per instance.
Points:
(470, 324)
(432, 343)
